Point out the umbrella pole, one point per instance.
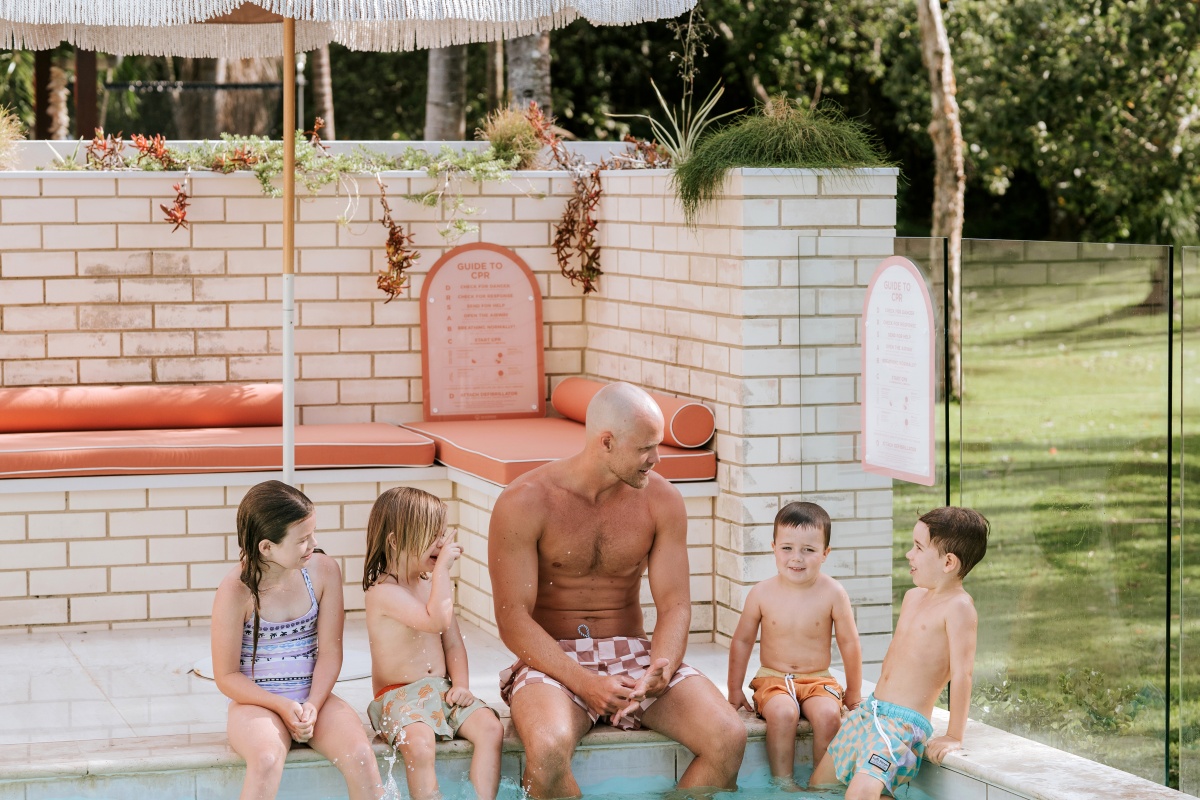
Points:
(289, 249)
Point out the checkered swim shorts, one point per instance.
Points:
(882, 739)
(618, 655)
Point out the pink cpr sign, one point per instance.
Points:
(897, 374)
(481, 336)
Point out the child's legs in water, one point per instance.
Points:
(484, 730)
(417, 745)
(338, 735)
(259, 736)
(782, 716)
(864, 786)
(825, 716)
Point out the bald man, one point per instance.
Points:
(567, 547)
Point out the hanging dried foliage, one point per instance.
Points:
(177, 211)
(400, 254)
(575, 245)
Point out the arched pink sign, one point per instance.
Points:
(481, 336)
(897, 374)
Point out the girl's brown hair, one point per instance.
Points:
(416, 518)
(265, 514)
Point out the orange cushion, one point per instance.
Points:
(154, 452)
(114, 408)
(687, 423)
(501, 450)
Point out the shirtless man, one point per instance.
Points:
(568, 544)
(880, 745)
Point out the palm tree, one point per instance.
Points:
(446, 97)
(322, 88)
(529, 70)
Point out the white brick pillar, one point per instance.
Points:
(756, 313)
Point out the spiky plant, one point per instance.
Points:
(783, 134)
(11, 132)
(512, 136)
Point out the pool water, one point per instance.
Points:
(756, 786)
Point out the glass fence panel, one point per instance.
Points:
(1064, 447)
(1185, 586)
(910, 500)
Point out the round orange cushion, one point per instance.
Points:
(142, 407)
(686, 422)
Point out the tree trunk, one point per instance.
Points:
(495, 75)
(529, 70)
(60, 117)
(446, 97)
(949, 178)
(248, 113)
(322, 83)
(195, 112)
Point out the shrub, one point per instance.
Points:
(11, 132)
(512, 136)
(783, 134)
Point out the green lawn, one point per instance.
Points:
(1063, 443)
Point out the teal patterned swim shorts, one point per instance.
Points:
(882, 739)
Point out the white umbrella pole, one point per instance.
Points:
(289, 250)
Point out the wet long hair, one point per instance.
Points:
(416, 517)
(265, 514)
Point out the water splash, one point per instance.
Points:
(390, 790)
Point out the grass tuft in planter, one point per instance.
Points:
(785, 135)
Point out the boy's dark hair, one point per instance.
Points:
(801, 515)
(961, 531)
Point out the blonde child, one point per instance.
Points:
(277, 647)
(881, 744)
(418, 659)
(798, 610)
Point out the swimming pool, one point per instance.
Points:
(609, 765)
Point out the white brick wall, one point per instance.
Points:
(98, 291)
(138, 554)
(753, 298)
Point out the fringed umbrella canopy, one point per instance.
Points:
(233, 29)
(236, 29)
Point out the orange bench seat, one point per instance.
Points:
(502, 450)
(167, 429)
(57, 454)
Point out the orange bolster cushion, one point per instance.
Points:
(686, 422)
(500, 451)
(109, 408)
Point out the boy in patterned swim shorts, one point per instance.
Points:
(880, 745)
(798, 611)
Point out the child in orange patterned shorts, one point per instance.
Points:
(418, 660)
(799, 611)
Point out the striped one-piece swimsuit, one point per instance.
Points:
(287, 652)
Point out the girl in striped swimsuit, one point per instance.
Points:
(279, 676)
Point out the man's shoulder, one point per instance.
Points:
(533, 486)
(661, 494)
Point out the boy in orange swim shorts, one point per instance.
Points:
(799, 611)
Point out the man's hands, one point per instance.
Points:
(651, 684)
(300, 720)
(607, 694)
(937, 747)
(619, 695)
